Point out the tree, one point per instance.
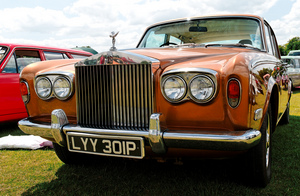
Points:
(282, 50)
(293, 44)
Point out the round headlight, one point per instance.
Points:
(174, 88)
(202, 89)
(61, 88)
(43, 87)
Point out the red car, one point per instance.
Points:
(13, 58)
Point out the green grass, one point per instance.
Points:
(39, 172)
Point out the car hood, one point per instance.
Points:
(167, 58)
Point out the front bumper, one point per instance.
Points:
(158, 140)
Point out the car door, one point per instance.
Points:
(11, 104)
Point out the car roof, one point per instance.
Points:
(294, 51)
(290, 57)
(15, 45)
(209, 16)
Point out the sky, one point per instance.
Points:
(71, 23)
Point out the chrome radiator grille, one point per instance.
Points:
(114, 96)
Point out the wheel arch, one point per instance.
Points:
(274, 103)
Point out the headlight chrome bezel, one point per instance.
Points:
(207, 99)
(184, 85)
(53, 77)
(189, 75)
(37, 91)
(70, 88)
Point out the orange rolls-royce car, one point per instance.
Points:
(203, 87)
(13, 58)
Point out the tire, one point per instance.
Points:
(259, 157)
(285, 119)
(71, 158)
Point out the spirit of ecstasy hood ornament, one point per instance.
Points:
(113, 35)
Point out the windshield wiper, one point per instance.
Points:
(232, 45)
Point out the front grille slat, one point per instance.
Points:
(114, 96)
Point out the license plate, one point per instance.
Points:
(120, 146)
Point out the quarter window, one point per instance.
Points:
(77, 56)
(55, 55)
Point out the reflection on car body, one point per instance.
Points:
(206, 87)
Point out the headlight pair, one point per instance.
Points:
(49, 86)
(199, 87)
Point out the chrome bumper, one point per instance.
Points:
(158, 140)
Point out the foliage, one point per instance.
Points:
(282, 50)
(293, 44)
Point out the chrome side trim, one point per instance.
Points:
(155, 135)
(58, 120)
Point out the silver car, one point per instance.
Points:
(294, 69)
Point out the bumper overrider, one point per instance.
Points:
(64, 133)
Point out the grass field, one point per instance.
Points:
(40, 172)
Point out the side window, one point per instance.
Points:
(3, 51)
(268, 40)
(274, 43)
(77, 56)
(54, 55)
(11, 66)
(26, 57)
(20, 59)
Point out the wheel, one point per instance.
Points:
(259, 157)
(70, 158)
(285, 119)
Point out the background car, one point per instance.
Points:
(294, 53)
(13, 59)
(293, 70)
(202, 87)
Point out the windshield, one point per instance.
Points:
(205, 31)
(3, 51)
